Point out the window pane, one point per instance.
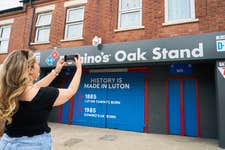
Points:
(179, 9)
(4, 46)
(130, 20)
(5, 32)
(75, 15)
(42, 34)
(74, 31)
(129, 4)
(44, 19)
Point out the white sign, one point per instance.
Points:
(122, 55)
(220, 46)
(106, 83)
(38, 56)
(163, 53)
(141, 55)
(222, 71)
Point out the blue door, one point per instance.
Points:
(190, 111)
(110, 100)
(174, 107)
(128, 107)
(182, 107)
(90, 102)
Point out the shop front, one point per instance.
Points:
(108, 100)
(169, 86)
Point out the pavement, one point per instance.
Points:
(71, 137)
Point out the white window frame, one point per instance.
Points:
(39, 27)
(180, 21)
(77, 22)
(129, 11)
(4, 39)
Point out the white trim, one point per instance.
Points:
(7, 21)
(43, 14)
(180, 22)
(192, 3)
(72, 39)
(5, 39)
(129, 11)
(37, 35)
(119, 14)
(166, 10)
(1, 53)
(71, 9)
(108, 70)
(192, 7)
(127, 29)
(75, 3)
(77, 22)
(71, 24)
(39, 43)
(41, 27)
(44, 9)
(4, 27)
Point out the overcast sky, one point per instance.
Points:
(6, 4)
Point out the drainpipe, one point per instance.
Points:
(31, 27)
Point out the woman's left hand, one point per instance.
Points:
(60, 65)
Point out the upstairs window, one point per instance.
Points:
(4, 38)
(43, 26)
(130, 14)
(74, 23)
(179, 10)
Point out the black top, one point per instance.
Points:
(31, 118)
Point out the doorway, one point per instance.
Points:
(182, 107)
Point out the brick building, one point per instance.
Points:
(165, 57)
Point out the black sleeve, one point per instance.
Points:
(49, 96)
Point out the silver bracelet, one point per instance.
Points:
(55, 72)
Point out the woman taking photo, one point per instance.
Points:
(25, 105)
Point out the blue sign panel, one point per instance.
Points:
(49, 60)
(90, 102)
(111, 100)
(180, 69)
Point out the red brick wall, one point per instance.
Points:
(101, 18)
(17, 36)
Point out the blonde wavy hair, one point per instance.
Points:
(14, 78)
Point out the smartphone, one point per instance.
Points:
(70, 57)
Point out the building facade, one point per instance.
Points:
(149, 66)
